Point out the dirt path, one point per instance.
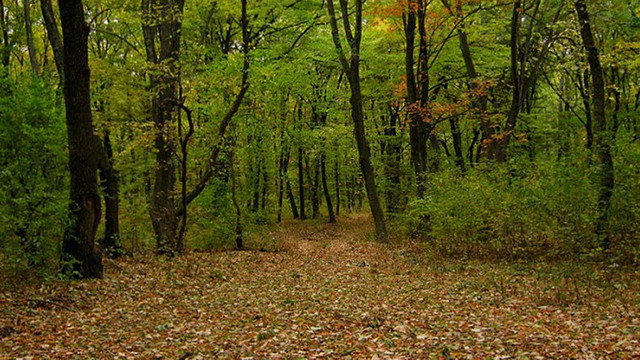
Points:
(329, 294)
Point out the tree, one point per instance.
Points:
(80, 255)
(351, 67)
(603, 135)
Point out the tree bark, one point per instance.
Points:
(53, 34)
(481, 102)
(325, 187)
(393, 151)
(110, 182)
(602, 135)
(457, 142)
(5, 55)
(292, 199)
(162, 23)
(315, 186)
(417, 90)
(234, 198)
(281, 170)
(80, 255)
(351, 67)
(29, 31)
(337, 181)
(303, 215)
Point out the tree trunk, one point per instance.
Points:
(351, 67)
(80, 256)
(29, 31)
(234, 199)
(53, 34)
(337, 181)
(162, 21)
(292, 200)
(393, 152)
(109, 179)
(255, 204)
(265, 186)
(5, 54)
(281, 171)
(303, 215)
(417, 91)
(457, 142)
(603, 136)
(325, 187)
(315, 190)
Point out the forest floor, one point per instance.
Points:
(330, 292)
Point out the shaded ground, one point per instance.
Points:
(328, 294)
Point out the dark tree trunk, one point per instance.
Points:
(162, 22)
(281, 172)
(417, 90)
(109, 177)
(393, 152)
(80, 255)
(284, 179)
(110, 183)
(351, 67)
(303, 215)
(292, 200)
(498, 145)
(457, 142)
(337, 181)
(351, 194)
(315, 186)
(5, 54)
(603, 136)
(325, 187)
(265, 186)
(234, 199)
(584, 88)
(53, 34)
(481, 102)
(29, 31)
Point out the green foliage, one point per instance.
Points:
(33, 180)
(524, 211)
(510, 211)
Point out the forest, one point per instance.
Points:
(293, 179)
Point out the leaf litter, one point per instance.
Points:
(329, 294)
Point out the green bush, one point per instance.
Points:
(520, 210)
(33, 175)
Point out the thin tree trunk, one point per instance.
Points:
(314, 181)
(53, 34)
(5, 55)
(325, 186)
(417, 90)
(352, 68)
(337, 181)
(80, 255)
(457, 142)
(603, 136)
(29, 31)
(110, 183)
(303, 215)
(393, 152)
(265, 186)
(234, 199)
(255, 205)
(281, 171)
(292, 200)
